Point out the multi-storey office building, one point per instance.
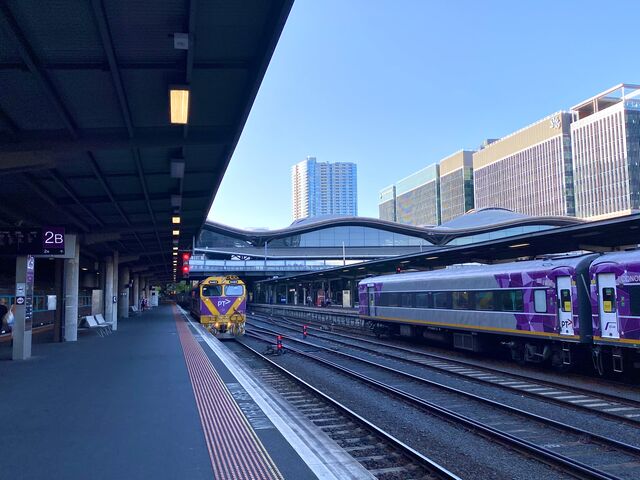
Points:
(605, 136)
(528, 171)
(418, 197)
(456, 185)
(322, 188)
(387, 204)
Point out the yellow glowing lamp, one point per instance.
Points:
(179, 101)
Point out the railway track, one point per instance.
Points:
(579, 452)
(600, 403)
(384, 456)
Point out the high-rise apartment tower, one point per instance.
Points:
(323, 188)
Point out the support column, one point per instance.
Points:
(114, 310)
(123, 297)
(136, 290)
(71, 277)
(21, 330)
(108, 290)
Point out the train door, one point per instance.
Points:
(565, 310)
(371, 300)
(607, 305)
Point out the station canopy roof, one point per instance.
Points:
(595, 236)
(86, 140)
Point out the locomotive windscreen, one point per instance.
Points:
(211, 290)
(234, 290)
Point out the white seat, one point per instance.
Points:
(101, 321)
(93, 325)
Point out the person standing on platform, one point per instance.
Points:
(4, 328)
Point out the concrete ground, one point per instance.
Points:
(103, 408)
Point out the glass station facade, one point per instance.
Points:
(349, 236)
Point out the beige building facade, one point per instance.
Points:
(529, 171)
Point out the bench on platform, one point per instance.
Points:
(134, 309)
(92, 324)
(101, 321)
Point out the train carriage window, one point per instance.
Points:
(389, 299)
(510, 300)
(423, 300)
(634, 299)
(565, 300)
(461, 300)
(233, 290)
(540, 300)
(608, 300)
(441, 299)
(407, 300)
(211, 290)
(484, 300)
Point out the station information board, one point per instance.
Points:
(32, 241)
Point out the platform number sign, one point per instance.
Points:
(53, 240)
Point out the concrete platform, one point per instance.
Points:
(125, 406)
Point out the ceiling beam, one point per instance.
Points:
(104, 66)
(107, 44)
(147, 174)
(9, 24)
(107, 189)
(39, 190)
(51, 141)
(131, 197)
(9, 124)
(69, 191)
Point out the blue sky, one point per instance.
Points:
(395, 85)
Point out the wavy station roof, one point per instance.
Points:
(85, 134)
(477, 222)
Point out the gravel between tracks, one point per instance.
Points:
(467, 454)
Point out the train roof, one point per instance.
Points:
(474, 270)
(619, 257)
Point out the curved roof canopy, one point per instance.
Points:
(86, 140)
(486, 220)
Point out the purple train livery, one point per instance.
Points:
(556, 309)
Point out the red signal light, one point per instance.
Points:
(186, 256)
(185, 269)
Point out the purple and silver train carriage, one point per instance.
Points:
(615, 307)
(540, 309)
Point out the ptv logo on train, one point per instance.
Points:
(224, 302)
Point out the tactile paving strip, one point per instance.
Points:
(236, 452)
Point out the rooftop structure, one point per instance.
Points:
(605, 136)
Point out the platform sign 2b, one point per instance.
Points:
(32, 241)
(53, 240)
